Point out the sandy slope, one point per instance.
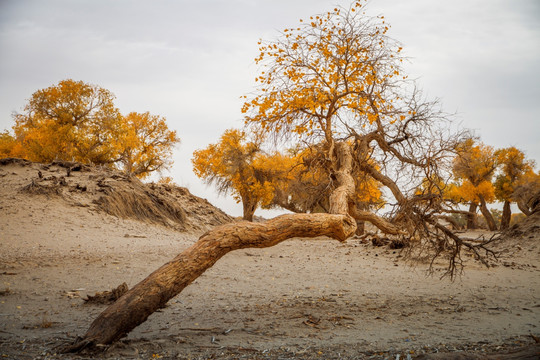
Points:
(301, 299)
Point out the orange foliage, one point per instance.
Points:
(234, 164)
(467, 192)
(302, 183)
(335, 64)
(70, 121)
(75, 121)
(292, 180)
(513, 168)
(474, 167)
(144, 143)
(7, 145)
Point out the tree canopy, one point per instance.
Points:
(235, 164)
(76, 121)
(513, 169)
(69, 121)
(474, 166)
(144, 144)
(335, 81)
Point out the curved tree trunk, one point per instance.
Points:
(471, 217)
(506, 216)
(487, 214)
(151, 294)
(523, 207)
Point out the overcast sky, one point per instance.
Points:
(190, 61)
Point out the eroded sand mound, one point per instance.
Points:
(528, 229)
(113, 192)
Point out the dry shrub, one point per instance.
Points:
(142, 205)
(35, 188)
(17, 161)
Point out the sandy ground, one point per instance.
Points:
(313, 298)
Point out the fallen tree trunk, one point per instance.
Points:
(151, 294)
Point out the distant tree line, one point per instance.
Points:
(298, 180)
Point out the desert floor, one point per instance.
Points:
(305, 298)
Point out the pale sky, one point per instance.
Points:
(190, 61)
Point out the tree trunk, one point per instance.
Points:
(471, 217)
(383, 225)
(523, 207)
(360, 227)
(487, 214)
(340, 199)
(151, 294)
(248, 207)
(506, 216)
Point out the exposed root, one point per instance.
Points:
(107, 297)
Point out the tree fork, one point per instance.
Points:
(151, 294)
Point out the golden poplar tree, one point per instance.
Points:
(514, 169)
(234, 165)
(474, 167)
(71, 121)
(76, 121)
(144, 144)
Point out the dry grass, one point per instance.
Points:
(135, 201)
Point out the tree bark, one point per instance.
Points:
(340, 199)
(471, 217)
(523, 207)
(383, 225)
(248, 206)
(169, 280)
(506, 216)
(487, 214)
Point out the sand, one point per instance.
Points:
(305, 298)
